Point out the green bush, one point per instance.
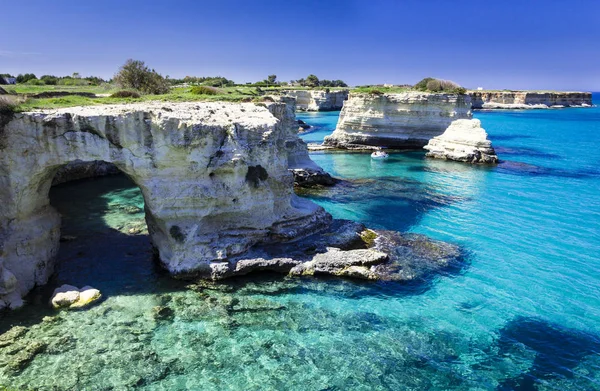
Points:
(126, 94)
(434, 85)
(204, 90)
(136, 75)
(35, 82)
(422, 85)
(430, 84)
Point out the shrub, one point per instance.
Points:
(136, 75)
(35, 82)
(49, 80)
(126, 94)
(203, 90)
(437, 85)
(434, 85)
(375, 92)
(422, 85)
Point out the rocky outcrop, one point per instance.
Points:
(213, 175)
(464, 141)
(318, 100)
(404, 120)
(529, 99)
(348, 249)
(306, 172)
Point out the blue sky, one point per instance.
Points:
(494, 44)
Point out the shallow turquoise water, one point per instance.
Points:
(523, 313)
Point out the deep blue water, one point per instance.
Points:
(523, 313)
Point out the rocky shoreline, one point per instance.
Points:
(217, 184)
(493, 100)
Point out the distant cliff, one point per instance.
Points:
(402, 120)
(318, 100)
(529, 99)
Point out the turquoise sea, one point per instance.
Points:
(521, 313)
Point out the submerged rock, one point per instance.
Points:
(68, 296)
(351, 263)
(348, 249)
(464, 141)
(25, 355)
(413, 256)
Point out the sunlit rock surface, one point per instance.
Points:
(213, 175)
(403, 120)
(529, 99)
(318, 100)
(464, 141)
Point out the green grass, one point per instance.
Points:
(385, 90)
(229, 94)
(29, 89)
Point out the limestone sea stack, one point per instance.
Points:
(464, 141)
(405, 120)
(213, 176)
(529, 99)
(318, 100)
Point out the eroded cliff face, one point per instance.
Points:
(404, 120)
(529, 99)
(318, 100)
(306, 172)
(213, 175)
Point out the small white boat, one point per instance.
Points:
(379, 155)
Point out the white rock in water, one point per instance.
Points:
(69, 296)
(64, 296)
(464, 141)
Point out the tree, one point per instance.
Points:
(312, 81)
(271, 79)
(135, 74)
(25, 78)
(49, 80)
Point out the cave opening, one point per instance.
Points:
(104, 239)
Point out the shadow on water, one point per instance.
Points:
(509, 137)
(526, 169)
(558, 351)
(522, 151)
(387, 202)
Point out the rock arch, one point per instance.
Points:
(213, 175)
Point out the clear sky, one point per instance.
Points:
(526, 44)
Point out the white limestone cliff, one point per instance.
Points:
(318, 100)
(464, 141)
(529, 99)
(402, 120)
(213, 175)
